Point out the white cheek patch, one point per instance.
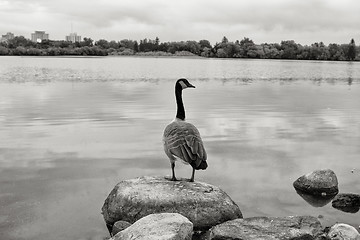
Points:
(183, 85)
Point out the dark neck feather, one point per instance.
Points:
(180, 114)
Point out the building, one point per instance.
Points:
(39, 36)
(8, 36)
(73, 37)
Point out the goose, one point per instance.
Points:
(182, 139)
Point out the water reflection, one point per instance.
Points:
(70, 129)
(315, 201)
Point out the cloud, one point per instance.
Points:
(188, 20)
(269, 15)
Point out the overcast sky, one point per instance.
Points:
(305, 21)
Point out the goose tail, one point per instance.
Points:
(199, 166)
(203, 165)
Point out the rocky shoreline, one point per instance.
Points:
(157, 208)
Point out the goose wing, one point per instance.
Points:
(182, 139)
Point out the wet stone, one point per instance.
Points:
(203, 204)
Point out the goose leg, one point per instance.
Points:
(192, 175)
(173, 171)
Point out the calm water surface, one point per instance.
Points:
(71, 128)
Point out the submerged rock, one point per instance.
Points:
(347, 202)
(254, 228)
(342, 231)
(119, 226)
(320, 183)
(203, 204)
(161, 226)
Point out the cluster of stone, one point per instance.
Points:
(150, 208)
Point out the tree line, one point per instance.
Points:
(244, 48)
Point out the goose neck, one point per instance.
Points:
(180, 113)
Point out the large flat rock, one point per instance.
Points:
(256, 228)
(203, 204)
(161, 226)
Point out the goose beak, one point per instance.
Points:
(191, 86)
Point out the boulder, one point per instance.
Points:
(342, 231)
(203, 204)
(298, 227)
(161, 226)
(319, 183)
(347, 202)
(119, 226)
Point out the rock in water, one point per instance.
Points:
(347, 202)
(342, 231)
(203, 204)
(161, 226)
(320, 183)
(254, 228)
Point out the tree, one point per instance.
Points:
(290, 49)
(224, 40)
(304, 52)
(334, 52)
(102, 43)
(246, 46)
(226, 49)
(206, 52)
(136, 46)
(88, 42)
(44, 44)
(54, 51)
(231, 49)
(318, 51)
(130, 44)
(20, 50)
(63, 44)
(147, 45)
(20, 41)
(220, 53)
(256, 52)
(164, 47)
(204, 44)
(4, 50)
(113, 44)
(193, 47)
(177, 47)
(35, 52)
(351, 53)
(271, 51)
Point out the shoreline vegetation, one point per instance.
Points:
(245, 48)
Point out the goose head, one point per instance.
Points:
(183, 83)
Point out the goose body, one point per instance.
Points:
(182, 139)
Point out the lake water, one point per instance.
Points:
(71, 128)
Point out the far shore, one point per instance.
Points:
(157, 55)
